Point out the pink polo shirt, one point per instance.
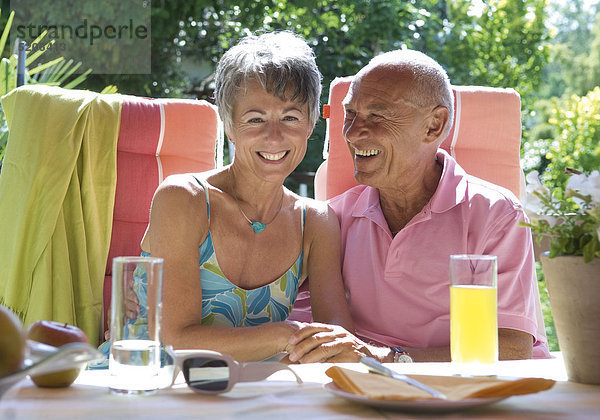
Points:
(398, 287)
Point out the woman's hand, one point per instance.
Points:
(326, 343)
(132, 307)
(132, 304)
(294, 327)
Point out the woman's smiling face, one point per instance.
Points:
(269, 133)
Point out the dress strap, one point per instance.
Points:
(303, 217)
(204, 186)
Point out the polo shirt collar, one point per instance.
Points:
(367, 205)
(452, 187)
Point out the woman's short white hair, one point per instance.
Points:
(431, 85)
(281, 61)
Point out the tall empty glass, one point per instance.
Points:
(473, 311)
(134, 362)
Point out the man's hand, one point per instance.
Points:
(326, 343)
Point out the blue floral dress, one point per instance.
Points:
(225, 304)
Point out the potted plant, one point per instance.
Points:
(570, 219)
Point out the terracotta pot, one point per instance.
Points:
(574, 292)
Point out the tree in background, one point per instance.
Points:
(562, 128)
(575, 49)
(501, 44)
(577, 144)
(494, 43)
(498, 43)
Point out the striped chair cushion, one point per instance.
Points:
(485, 138)
(157, 138)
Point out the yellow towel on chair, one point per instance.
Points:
(57, 189)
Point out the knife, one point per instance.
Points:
(379, 368)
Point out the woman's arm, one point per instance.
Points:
(327, 294)
(178, 225)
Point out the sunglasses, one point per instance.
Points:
(209, 372)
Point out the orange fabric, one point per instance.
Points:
(187, 123)
(489, 135)
(487, 143)
(157, 138)
(340, 169)
(137, 175)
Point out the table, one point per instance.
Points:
(280, 397)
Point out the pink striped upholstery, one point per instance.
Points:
(486, 144)
(157, 138)
(486, 136)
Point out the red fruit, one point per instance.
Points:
(56, 334)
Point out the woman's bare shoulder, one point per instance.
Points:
(179, 192)
(178, 208)
(319, 215)
(181, 185)
(316, 208)
(179, 182)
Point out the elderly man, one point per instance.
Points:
(416, 206)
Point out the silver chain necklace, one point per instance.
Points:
(256, 226)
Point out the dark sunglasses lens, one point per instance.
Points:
(205, 374)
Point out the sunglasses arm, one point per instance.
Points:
(257, 371)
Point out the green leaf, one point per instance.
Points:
(78, 80)
(30, 59)
(588, 252)
(70, 71)
(8, 75)
(6, 30)
(45, 65)
(109, 89)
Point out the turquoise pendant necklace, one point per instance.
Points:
(256, 226)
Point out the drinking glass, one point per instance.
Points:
(473, 311)
(135, 351)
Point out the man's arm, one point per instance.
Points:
(512, 345)
(338, 345)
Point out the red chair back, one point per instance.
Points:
(157, 138)
(485, 139)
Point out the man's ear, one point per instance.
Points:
(436, 122)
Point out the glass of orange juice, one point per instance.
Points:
(473, 312)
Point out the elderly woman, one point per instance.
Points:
(236, 243)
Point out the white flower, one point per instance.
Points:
(534, 215)
(532, 203)
(586, 185)
(534, 184)
(594, 182)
